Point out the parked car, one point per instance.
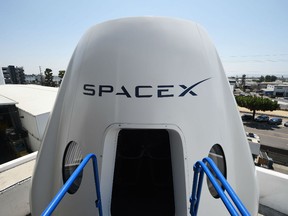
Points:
(275, 121)
(253, 136)
(286, 124)
(246, 117)
(262, 118)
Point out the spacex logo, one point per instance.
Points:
(142, 91)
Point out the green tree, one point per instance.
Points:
(269, 78)
(262, 79)
(273, 78)
(61, 75)
(48, 79)
(254, 103)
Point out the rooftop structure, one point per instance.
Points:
(34, 104)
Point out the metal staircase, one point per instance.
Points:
(236, 208)
(200, 168)
(56, 200)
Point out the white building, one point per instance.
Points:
(37, 79)
(34, 103)
(279, 90)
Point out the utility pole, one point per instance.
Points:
(41, 77)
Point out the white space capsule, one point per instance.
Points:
(149, 97)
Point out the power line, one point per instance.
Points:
(257, 58)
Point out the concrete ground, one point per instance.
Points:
(280, 168)
(266, 211)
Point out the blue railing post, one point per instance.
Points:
(199, 168)
(56, 200)
(196, 191)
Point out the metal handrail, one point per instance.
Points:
(56, 200)
(199, 168)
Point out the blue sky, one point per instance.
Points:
(251, 36)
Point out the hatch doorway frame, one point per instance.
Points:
(178, 159)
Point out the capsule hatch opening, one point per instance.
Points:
(143, 182)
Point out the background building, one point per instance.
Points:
(13, 75)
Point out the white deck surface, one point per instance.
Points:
(14, 175)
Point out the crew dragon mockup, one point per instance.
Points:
(149, 97)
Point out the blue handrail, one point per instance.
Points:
(56, 200)
(199, 168)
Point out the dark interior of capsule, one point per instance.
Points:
(143, 183)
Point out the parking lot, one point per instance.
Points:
(273, 140)
(271, 134)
